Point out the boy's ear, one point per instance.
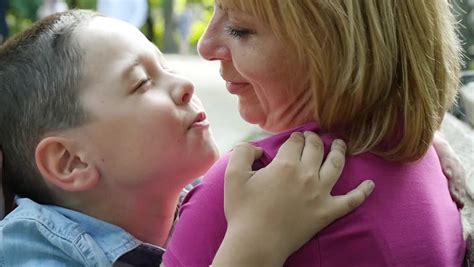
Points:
(62, 165)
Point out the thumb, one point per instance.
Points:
(239, 168)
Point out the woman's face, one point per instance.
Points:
(259, 68)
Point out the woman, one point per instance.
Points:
(379, 74)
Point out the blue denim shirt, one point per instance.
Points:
(44, 235)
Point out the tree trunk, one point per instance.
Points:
(150, 27)
(170, 44)
(73, 4)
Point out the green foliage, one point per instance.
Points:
(158, 27)
(199, 26)
(17, 23)
(22, 14)
(197, 29)
(155, 3)
(82, 4)
(206, 3)
(25, 8)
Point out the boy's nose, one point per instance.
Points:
(212, 45)
(183, 92)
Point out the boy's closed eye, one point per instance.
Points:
(142, 84)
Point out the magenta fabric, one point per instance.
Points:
(409, 220)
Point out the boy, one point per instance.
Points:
(99, 140)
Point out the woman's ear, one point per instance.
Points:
(63, 165)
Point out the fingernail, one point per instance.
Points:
(340, 143)
(298, 135)
(371, 185)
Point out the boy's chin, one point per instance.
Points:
(200, 168)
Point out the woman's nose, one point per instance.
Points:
(183, 92)
(212, 44)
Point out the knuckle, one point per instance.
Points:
(353, 202)
(288, 165)
(309, 176)
(285, 167)
(324, 217)
(337, 162)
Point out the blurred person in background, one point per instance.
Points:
(185, 21)
(132, 11)
(50, 7)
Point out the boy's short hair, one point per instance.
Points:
(41, 70)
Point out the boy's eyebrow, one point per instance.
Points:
(130, 68)
(158, 52)
(159, 55)
(138, 60)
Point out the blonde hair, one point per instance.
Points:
(382, 72)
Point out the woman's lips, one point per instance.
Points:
(236, 87)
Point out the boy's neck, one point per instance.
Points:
(147, 217)
(151, 222)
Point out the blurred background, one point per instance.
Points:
(173, 25)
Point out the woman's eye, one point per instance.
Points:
(236, 33)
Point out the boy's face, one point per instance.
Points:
(147, 127)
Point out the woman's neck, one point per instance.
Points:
(294, 114)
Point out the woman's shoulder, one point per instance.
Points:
(215, 175)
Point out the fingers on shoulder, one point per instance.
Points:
(337, 155)
(334, 163)
(291, 149)
(241, 159)
(313, 152)
(353, 199)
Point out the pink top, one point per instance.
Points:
(409, 220)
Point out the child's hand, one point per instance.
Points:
(274, 211)
(452, 168)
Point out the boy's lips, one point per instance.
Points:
(200, 121)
